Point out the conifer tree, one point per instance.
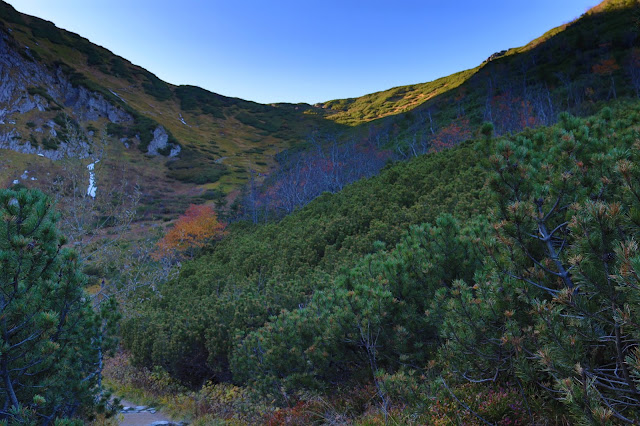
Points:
(51, 340)
(567, 233)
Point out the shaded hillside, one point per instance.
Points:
(577, 67)
(257, 270)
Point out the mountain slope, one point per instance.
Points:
(51, 78)
(48, 72)
(558, 65)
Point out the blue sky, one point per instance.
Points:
(305, 50)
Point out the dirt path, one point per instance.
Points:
(140, 415)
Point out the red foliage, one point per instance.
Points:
(299, 414)
(456, 132)
(513, 113)
(606, 67)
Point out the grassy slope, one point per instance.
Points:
(354, 111)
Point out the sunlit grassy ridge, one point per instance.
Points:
(354, 111)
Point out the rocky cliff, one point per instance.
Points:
(42, 112)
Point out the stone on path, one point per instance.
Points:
(142, 415)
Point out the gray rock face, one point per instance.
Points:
(160, 142)
(89, 106)
(28, 103)
(76, 149)
(18, 75)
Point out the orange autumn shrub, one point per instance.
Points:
(197, 227)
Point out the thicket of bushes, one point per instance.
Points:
(542, 294)
(260, 270)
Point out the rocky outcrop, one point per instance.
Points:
(89, 106)
(496, 55)
(27, 103)
(27, 85)
(76, 149)
(160, 143)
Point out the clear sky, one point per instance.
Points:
(305, 50)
